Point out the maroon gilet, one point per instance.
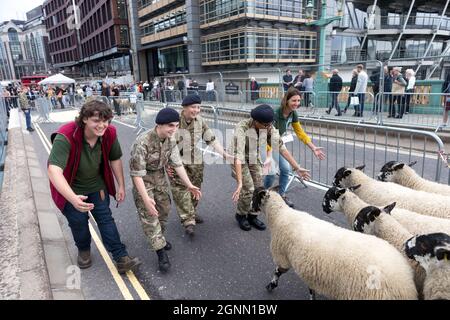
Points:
(74, 134)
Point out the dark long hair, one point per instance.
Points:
(289, 94)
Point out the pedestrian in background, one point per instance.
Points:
(398, 91)
(335, 87)
(446, 98)
(308, 84)
(254, 89)
(287, 80)
(24, 103)
(410, 76)
(360, 89)
(82, 166)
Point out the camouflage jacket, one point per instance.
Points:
(247, 143)
(23, 101)
(149, 153)
(197, 130)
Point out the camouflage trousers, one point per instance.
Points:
(251, 179)
(154, 226)
(184, 200)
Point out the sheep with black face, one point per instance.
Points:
(403, 174)
(383, 193)
(432, 252)
(343, 200)
(333, 261)
(376, 221)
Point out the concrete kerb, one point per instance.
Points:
(43, 259)
(54, 245)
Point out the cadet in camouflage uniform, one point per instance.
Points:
(192, 130)
(150, 154)
(248, 137)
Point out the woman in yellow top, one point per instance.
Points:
(287, 115)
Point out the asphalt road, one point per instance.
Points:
(221, 262)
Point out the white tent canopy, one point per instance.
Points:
(57, 79)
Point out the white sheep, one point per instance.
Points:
(339, 199)
(333, 261)
(376, 221)
(383, 193)
(402, 174)
(432, 251)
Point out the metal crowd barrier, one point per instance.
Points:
(3, 136)
(43, 107)
(411, 107)
(347, 144)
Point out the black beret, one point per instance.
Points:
(167, 115)
(263, 113)
(191, 99)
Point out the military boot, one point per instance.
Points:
(254, 221)
(243, 222)
(198, 219)
(163, 260)
(127, 263)
(84, 259)
(190, 230)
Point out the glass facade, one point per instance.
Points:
(166, 22)
(112, 67)
(122, 9)
(217, 10)
(173, 59)
(259, 45)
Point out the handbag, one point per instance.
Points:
(397, 89)
(354, 101)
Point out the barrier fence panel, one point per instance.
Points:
(351, 144)
(43, 107)
(4, 114)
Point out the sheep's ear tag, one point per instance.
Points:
(361, 168)
(412, 163)
(389, 208)
(398, 166)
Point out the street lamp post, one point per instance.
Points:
(322, 23)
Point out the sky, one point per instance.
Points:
(16, 9)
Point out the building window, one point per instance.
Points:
(14, 45)
(169, 21)
(122, 9)
(173, 60)
(124, 38)
(259, 45)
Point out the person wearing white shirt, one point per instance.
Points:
(210, 90)
(411, 82)
(361, 88)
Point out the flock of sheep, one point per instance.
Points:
(399, 247)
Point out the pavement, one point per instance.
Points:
(35, 261)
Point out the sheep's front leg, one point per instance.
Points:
(274, 282)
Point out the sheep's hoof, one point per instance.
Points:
(271, 286)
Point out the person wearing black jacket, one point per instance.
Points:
(446, 90)
(375, 79)
(388, 90)
(352, 88)
(335, 87)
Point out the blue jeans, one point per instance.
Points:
(285, 171)
(27, 113)
(360, 108)
(78, 223)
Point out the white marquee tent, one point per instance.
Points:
(57, 79)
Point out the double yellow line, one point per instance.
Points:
(101, 248)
